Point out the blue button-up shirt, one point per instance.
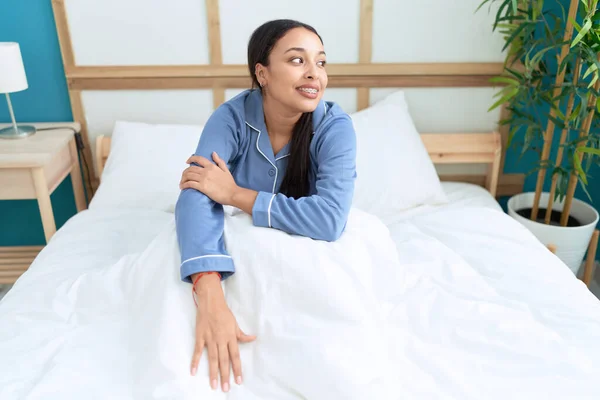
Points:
(236, 131)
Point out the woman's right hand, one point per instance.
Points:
(218, 331)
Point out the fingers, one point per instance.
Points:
(213, 365)
(224, 366)
(201, 161)
(236, 364)
(219, 161)
(242, 337)
(197, 355)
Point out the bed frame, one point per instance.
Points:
(452, 148)
(443, 148)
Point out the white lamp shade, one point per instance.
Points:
(12, 71)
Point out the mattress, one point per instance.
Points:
(480, 310)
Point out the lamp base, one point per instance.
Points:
(22, 131)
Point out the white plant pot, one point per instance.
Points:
(571, 242)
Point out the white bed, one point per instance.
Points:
(432, 292)
(484, 311)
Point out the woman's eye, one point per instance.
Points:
(296, 60)
(322, 63)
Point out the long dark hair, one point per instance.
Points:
(295, 182)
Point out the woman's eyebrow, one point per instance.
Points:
(300, 49)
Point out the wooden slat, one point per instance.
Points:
(11, 273)
(508, 184)
(460, 142)
(462, 158)
(214, 32)
(30, 255)
(78, 84)
(16, 266)
(333, 70)
(64, 35)
(365, 48)
(8, 261)
(8, 280)
(214, 40)
(10, 249)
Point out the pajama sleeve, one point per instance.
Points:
(321, 216)
(199, 220)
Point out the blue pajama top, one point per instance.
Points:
(236, 131)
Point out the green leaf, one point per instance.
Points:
(482, 4)
(515, 33)
(584, 30)
(575, 112)
(593, 80)
(557, 122)
(590, 69)
(505, 98)
(598, 104)
(588, 150)
(514, 6)
(500, 10)
(511, 135)
(580, 172)
(515, 73)
(585, 5)
(503, 79)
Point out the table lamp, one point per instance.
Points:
(13, 79)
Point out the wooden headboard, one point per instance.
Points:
(443, 148)
(366, 63)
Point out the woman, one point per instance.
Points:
(279, 153)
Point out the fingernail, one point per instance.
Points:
(238, 380)
(194, 371)
(214, 384)
(226, 387)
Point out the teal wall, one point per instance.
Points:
(31, 23)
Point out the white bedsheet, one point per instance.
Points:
(444, 307)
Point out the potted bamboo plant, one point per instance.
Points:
(550, 88)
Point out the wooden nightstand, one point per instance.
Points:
(32, 168)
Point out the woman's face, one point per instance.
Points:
(296, 75)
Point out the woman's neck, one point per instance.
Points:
(280, 121)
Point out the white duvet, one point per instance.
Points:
(438, 305)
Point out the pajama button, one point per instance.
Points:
(271, 172)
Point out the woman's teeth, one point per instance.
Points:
(307, 90)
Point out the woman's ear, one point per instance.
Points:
(259, 70)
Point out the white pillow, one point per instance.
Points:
(144, 165)
(394, 170)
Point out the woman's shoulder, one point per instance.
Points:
(334, 122)
(232, 112)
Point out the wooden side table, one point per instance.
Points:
(32, 168)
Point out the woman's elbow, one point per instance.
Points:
(333, 229)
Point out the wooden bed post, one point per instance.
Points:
(216, 51)
(365, 48)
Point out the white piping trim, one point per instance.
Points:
(277, 159)
(263, 154)
(269, 211)
(196, 258)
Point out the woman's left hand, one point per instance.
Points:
(215, 181)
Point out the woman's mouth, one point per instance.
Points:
(311, 93)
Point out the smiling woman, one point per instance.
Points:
(276, 151)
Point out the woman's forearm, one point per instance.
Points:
(244, 199)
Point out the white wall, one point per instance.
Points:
(158, 32)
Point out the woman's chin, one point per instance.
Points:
(307, 105)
